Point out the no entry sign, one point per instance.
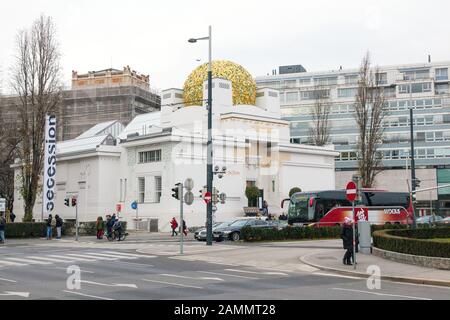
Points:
(351, 191)
(207, 197)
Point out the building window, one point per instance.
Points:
(291, 97)
(150, 156)
(416, 75)
(416, 87)
(353, 79)
(347, 92)
(158, 189)
(442, 88)
(326, 81)
(315, 94)
(381, 78)
(442, 74)
(290, 83)
(141, 190)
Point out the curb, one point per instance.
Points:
(441, 283)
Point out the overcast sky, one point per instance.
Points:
(151, 36)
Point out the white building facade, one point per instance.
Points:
(155, 151)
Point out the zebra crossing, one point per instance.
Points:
(70, 257)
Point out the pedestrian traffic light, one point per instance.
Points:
(74, 202)
(176, 191)
(66, 202)
(416, 183)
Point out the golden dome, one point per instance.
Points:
(244, 86)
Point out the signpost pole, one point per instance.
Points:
(76, 222)
(354, 235)
(181, 217)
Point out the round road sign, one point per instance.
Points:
(189, 198)
(351, 191)
(207, 197)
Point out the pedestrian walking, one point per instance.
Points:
(347, 239)
(174, 226)
(265, 208)
(49, 227)
(100, 225)
(109, 225)
(58, 223)
(185, 231)
(2, 229)
(12, 217)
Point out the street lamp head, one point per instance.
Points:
(192, 40)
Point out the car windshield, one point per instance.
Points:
(222, 225)
(239, 223)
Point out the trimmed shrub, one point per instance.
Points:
(416, 242)
(25, 229)
(289, 233)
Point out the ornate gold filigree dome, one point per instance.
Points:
(244, 86)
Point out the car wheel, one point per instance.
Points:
(235, 236)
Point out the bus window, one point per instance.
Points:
(386, 199)
(299, 208)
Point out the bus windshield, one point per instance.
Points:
(298, 208)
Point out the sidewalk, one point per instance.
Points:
(331, 260)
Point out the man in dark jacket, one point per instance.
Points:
(12, 217)
(2, 228)
(347, 239)
(59, 224)
(49, 227)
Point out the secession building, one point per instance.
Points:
(112, 164)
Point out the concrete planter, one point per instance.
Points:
(429, 262)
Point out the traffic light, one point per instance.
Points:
(416, 183)
(176, 191)
(66, 202)
(74, 202)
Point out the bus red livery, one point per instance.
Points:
(329, 208)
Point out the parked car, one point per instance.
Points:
(233, 231)
(445, 221)
(429, 219)
(279, 224)
(200, 234)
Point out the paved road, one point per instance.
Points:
(142, 270)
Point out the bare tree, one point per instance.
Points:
(319, 133)
(36, 81)
(370, 112)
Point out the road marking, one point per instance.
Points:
(255, 272)
(228, 275)
(82, 270)
(72, 258)
(132, 254)
(20, 294)
(382, 294)
(86, 295)
(98, 257)
(118, 255)
(51, 259)
(135, 264)
(128, 285)
(91, 258)
(336, 275)
(28, 261)
(10, 263)
(7, 280)
(184, 277)
(172, 284)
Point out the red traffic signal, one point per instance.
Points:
(74, 202)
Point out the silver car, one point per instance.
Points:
(200, 235)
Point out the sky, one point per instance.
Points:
(151, 36)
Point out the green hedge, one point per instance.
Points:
(25, 229)
(416, 242)
(289, 233)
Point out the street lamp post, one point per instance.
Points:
(413, 166)
(209, 171)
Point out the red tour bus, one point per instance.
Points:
(329, 208)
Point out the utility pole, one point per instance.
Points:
(209, 169)
(180, 192)
(413, 165)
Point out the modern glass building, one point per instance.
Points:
(424, 86)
